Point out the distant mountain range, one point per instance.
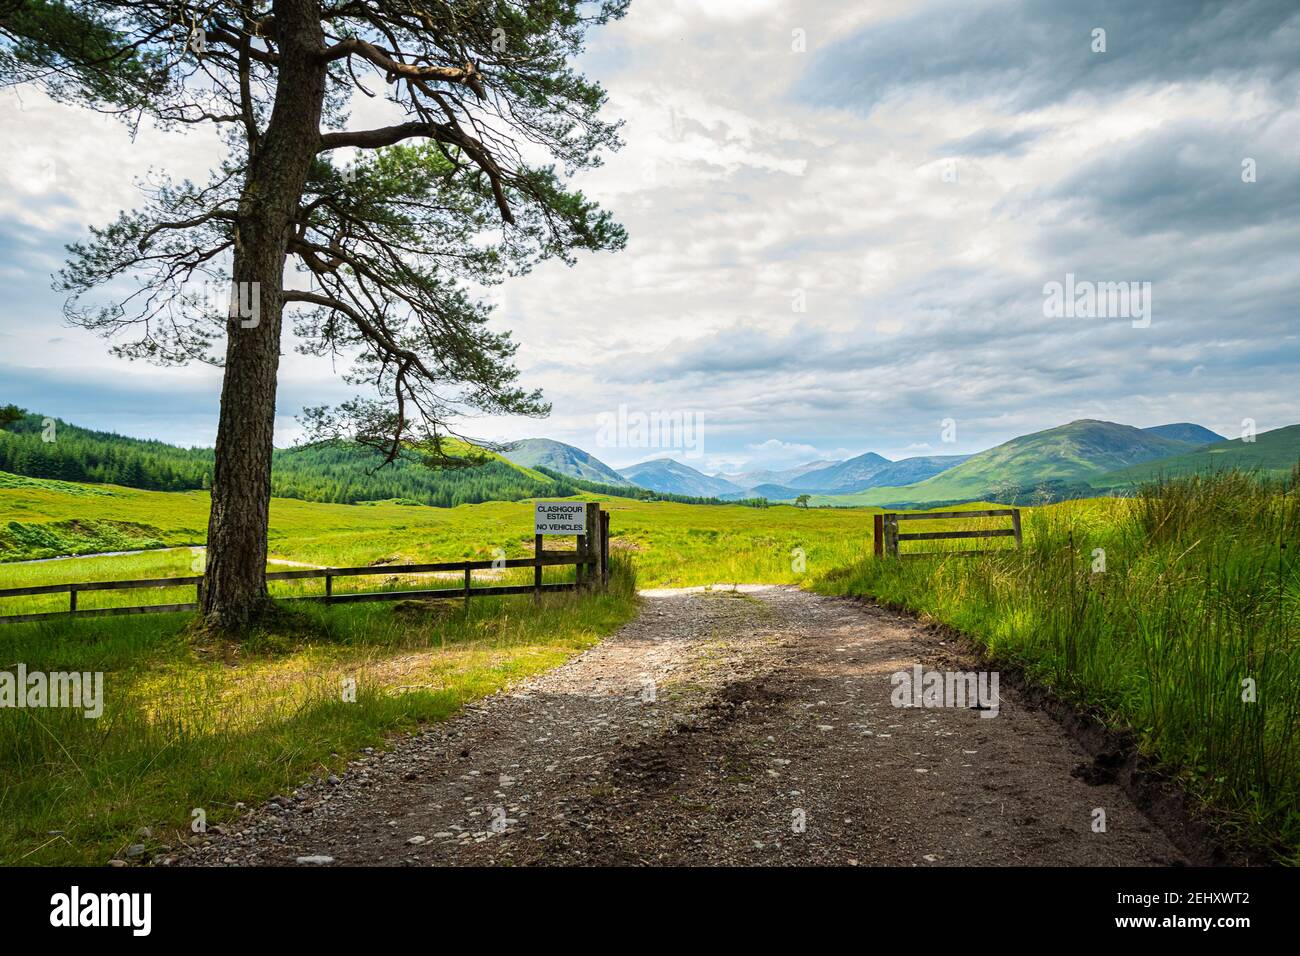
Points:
(752, 479)
(1067, 461)
(872, 470)
(1085, 457)
(1067, 453)
(1070, 460)
(667, 475)
(842, 475)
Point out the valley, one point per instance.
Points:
(1077, 460)
(1044, 611)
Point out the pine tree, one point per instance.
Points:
(389, 242)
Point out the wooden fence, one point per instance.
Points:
(590, 561)
(887, 535)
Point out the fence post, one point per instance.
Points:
(1015, 524)
(329, 587)
(604, 549)
(72, 600)
(878, 535)
(537, 567)
(591, 546)
(579, 566)
(467, 572)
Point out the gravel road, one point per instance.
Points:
(749, 726)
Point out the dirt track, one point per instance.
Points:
(771, 707)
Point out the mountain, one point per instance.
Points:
(842, 476)
(752, 479)
(1061, 459)
(672, 477)
(908, 471)
(1272, 453)
(1073, 452)
(566, 459)
(769, 491)
(872, 470)
(1186, 431)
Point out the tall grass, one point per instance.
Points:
(1167, 611)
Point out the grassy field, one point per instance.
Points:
(190, 723)
(1154, 611)
(1198, 591)
(674, 544)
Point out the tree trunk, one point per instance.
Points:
(234, 592)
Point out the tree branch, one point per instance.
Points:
(443, 132)
(465, 76)
(226, 214)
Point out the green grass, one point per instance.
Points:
(190, 722)
(1201, 590)
(674, 544)
(42, 518)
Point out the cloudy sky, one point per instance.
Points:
(842, 217)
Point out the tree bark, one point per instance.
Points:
(234, 593)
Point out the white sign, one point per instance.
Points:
(560, 517)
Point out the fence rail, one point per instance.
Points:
(887, 535)
(590, 561)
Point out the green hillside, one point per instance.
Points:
(1060, 460)
(1273, 453)
(67, 453)
(345, 474)
(329, 472)
(565, 459)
